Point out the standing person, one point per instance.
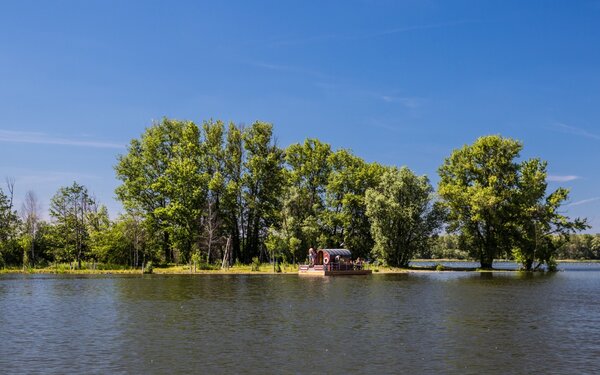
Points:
(311, 256)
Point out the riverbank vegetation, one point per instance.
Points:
(218, 195)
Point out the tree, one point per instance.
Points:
(496, 203)
(9, 225)
(539, 228)
(261, 185)
(477, 183)
(214, 159)
(184, 185)
(304, 205)
(232, 200)
(142, 171)
(30, 215)
(402, 214)
(346, 220)
(70, 208)
(165, 178)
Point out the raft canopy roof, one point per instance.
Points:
(343, 253)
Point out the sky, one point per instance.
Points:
(397, 82)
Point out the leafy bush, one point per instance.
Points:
(149, 267)
(208, 266)
(255, 264)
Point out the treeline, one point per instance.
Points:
(220, 193)
(577, 247)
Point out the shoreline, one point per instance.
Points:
(267, 269)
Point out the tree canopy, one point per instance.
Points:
(225, 193)
(498, 204)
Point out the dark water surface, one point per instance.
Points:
(448, 323)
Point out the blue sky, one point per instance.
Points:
(399, 82)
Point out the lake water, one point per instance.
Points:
(446, 322)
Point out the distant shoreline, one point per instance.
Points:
(267, 269)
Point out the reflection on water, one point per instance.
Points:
(449, 322)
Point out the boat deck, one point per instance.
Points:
(331, 270)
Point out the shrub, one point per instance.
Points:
(149, 267)
(255, 264)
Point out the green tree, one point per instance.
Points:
(307, 175)
(184, 184)
(261, 185)
(402, 214)
(232, 203)
(164, 178)
(477, 185)
(70, 208)
(499, 206)
(539, 227)
(142, 171)
(30, 215)
(214, 157)
(346, 220)
(10, 250)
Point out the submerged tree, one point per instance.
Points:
(540, 229)
(497, 204)
(403, 215)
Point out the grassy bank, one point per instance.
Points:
(264, 268)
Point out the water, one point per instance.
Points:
(450, 323)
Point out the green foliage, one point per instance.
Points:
(255, 264)
(262, 185)
(202, 194)
(402, 215)
(445, 247)
(9, 226)
(499, 206)
(540, 229)
(346, 218)
(149, 268)
(71, 208)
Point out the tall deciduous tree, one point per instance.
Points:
(148, 171)
(30, 215)
(540, 229)
(477, 185)
(70, 208)
(346, 219)
(262, 184)
(499, 205)
(9, 224)
(402, 214)
(232, 203)
(304, 199)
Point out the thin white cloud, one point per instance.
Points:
(576, 131)
(286, 68)
(367, 34)
(557, 178)
(408, 102)
(11, 136)
(415, 28)
(584, 201)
